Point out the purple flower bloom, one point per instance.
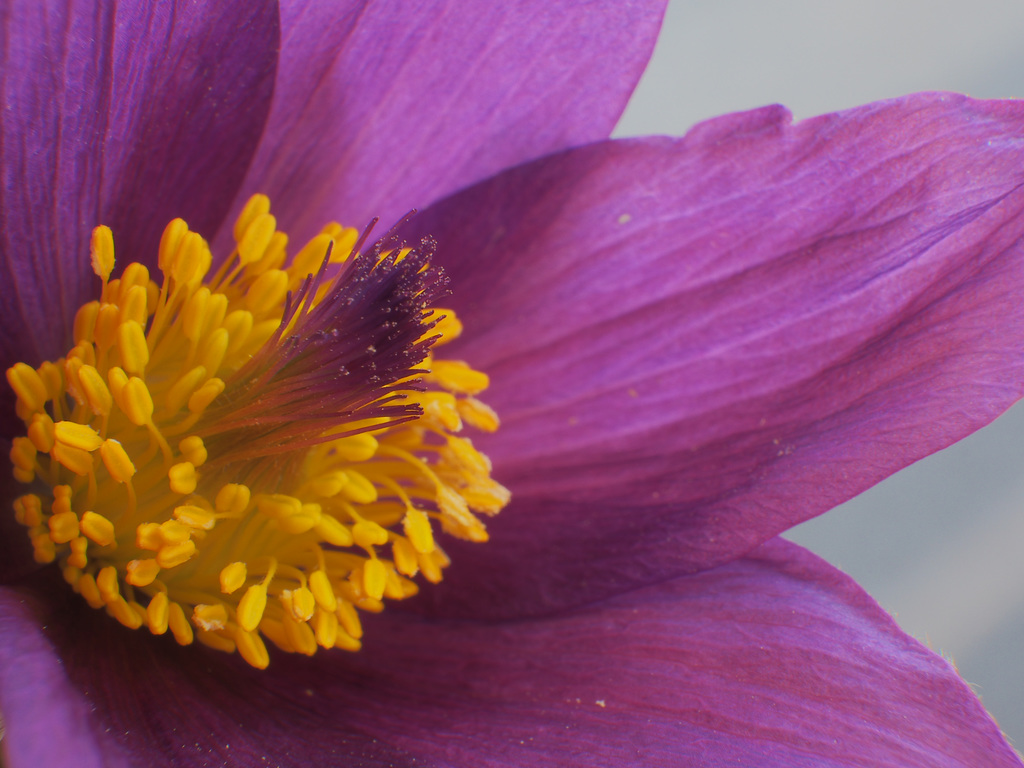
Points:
(693, 344)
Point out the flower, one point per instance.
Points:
(693, 344)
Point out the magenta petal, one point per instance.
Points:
(385, 107)
(776, 659)
(47, 722)
(115, 114)
(697, 343)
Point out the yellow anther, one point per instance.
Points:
(147, 536)
(210, 618)
(43, 549)
(41, 432)
(470, 458)
(257, 205)
(251, 648)
(174, 555)
(173, 532)
(193, 450)
(158, 613)
(116, 460)
(359, 489)
(417, 527)
(325, 626)
(232, 499)
(79, 548)
(133, 306)
(197, 314)
(368, 534)
(333, 532)
(63, 527)
(327, 484)
(397, 588)
(214, 348)
(87, 588)
(27, 385)
(61, 499)
(134, 274)
(101, 252)
(301, 521)
(257, 238)
(23, 454)
(121, 610)
(440, 407)
(182, 477)
(179, 625)
(51, 378)
(136, 401)
(170, 242)
(217, 640)
(195, 517)
(251, 606)
(141, 573)
(267, 292)
(346, 642)
(106, 582)
(320, 587)
(349, 618)
(375, 577)
(95, 390)
(117, 379)
(487, 496)
(74, 435)
(299, 602)
(131, 342)
(456, 376)
(85, 322)
(446, 325)
(431, 565)
(97, 528)
(300, 636)
(205, 395)
(308, 260)
(188, 262)
(232, 577)
(355, 448)
(28, 510)
(183, 388)
(404, 556)
(108, 319)
(238, 326)
(345, 239)
(278, 505)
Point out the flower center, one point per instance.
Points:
(258, 454)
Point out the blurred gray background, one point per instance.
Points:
(941, 544)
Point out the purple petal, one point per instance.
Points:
(127, 114)
(381, 108)
(47, 721)
(776, 659)
(697, 343)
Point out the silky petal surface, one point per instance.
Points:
(776, 659)
(697, 343)
(47, 721)
(384, 107)
(114, 114)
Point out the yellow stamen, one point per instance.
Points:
(254, 454)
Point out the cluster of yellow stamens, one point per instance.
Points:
(258, 454)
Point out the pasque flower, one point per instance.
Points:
(692, 344)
